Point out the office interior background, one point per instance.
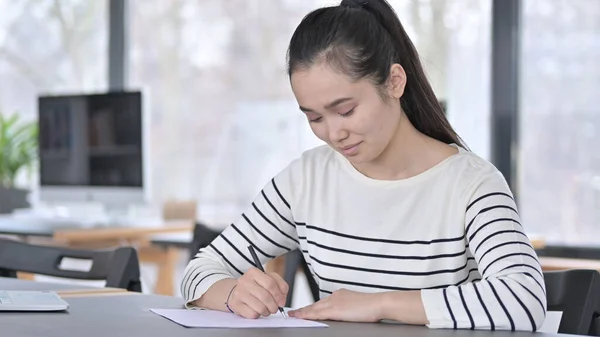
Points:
(520, 81)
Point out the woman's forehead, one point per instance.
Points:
(320, 84)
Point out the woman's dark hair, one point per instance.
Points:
(363, 38)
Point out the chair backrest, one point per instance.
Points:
(577, 294)
(119, 266)
(203, 236)
(293, 261)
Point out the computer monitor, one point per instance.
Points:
(91, 149)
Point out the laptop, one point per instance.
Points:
(25, 300)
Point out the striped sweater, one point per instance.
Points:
(452, 232)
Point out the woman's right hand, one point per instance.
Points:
(258, 294)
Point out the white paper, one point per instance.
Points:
(218, 319)
(552, 322)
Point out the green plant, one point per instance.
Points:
(18, 147)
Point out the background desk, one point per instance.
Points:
(129, 315)
(165, 257)
(64, 290)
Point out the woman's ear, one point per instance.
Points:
(396, 81)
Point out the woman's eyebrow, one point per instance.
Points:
(329, 106)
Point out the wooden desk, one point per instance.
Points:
(538, 243)
(65, 290)
(556, 263)
(94, 292)
(108, 234)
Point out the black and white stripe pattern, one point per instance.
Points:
(267, 225)
(466, 252)
(511, 295)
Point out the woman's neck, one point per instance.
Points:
(409, 153)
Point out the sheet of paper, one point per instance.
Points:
(218, 319)
(552, 322)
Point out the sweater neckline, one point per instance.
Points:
(427, 174)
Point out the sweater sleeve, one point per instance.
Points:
(511, 294)
(267, 224)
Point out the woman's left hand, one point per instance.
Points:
(344, 305)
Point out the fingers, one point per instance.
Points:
(257, 294)
(315, 311)
(271, 285)
(261, 299)
(282, 285)
(256, 305)
(245, 303)
(246, 311)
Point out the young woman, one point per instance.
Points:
(396, 219)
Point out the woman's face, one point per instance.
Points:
(350, 116)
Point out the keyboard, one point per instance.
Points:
(22, 300)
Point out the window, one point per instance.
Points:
(559, 175)
(453, 38)
(50, 47)
(223, 117)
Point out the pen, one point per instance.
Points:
(258, 265)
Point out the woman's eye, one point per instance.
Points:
(346, 114)
(315, 120)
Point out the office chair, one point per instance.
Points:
(119, 267)
(293, 261)
(203, 236)
(577, 294)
